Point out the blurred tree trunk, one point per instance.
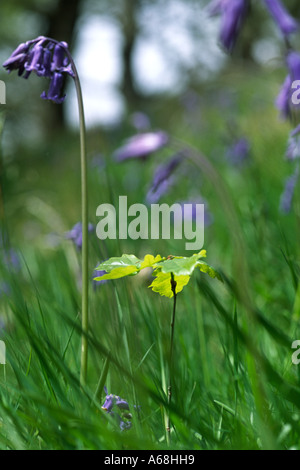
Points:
(61, 26)
(130, 30)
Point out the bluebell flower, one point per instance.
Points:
(293, 63)
(98, 273)
(114, 405)
(55, 89)
(239, 151)
(45, 57)
(233, 13)
(142, 145)
(293, 147)
(283, 100)
(286, 23)
(286, 198)
(75, 234)
(162, 179)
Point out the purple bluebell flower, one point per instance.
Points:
(293, 147)
(233, 13)
(55, 89)
(287, 196)
(98, 273)
(293, 63)
(283, 100)
(239, 151)
(142, 145)
(47, 58)
(286, 23)
(35, 61)
(75, 234)
(162, 179)
(114, 402)
(18, 58)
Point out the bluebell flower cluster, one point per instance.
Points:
(47, 58)
(118, 408)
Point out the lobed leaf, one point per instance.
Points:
(179, 266)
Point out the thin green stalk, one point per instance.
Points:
(173, 286)
(84, 216)
(85, 221)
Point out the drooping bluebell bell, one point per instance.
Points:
(286, 23)
(233, 13)
(162, 178)
(287, 196)
(55, 89)
(45, 57)
(75, 234)
(142, 145)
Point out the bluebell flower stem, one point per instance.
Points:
(85, 222)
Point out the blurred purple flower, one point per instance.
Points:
(286, 198)
(75, 234)
(162, 179)
(233, 13)
(8, 255)
(115, 402)
(45, 57)
(293, 147)
(11, 259)
(140, 121)
(286, 23)
(98, 273)
(283, 100)
(188, 211)
(293, 63)
(142, 145)
(4, 291)
(239, 151)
